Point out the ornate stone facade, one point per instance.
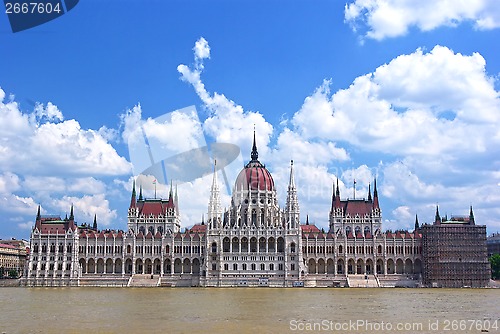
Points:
(254, 242)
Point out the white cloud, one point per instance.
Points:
(18, 204)
(9, 182)
(53, 148)
(404, 107)
(391, 18)
(28, 225)
(228, 122)
(201, 49)
(50, 112)
(86, 207)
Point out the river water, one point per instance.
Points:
(248, 310)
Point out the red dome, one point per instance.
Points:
(254, 176)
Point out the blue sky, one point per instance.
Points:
(407, 93)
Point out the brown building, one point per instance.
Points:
(12, 257)
(455, 253)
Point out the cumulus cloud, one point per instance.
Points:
(421, 103)
(29, 146)
(228, 122)
(391, 18)
(85, 207)
(50, 112)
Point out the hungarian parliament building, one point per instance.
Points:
(258, 243)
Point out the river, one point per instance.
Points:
(248, 310)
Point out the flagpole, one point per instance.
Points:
(354, 188)
(154, 182)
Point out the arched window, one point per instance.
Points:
(167, 249)
(225, 245)
(348, 230)
(357, 229)
(235, 266)
(128, 249)
(379, 249)
(214, 247)
(367, 230)
(341, 249)
(253, 266)
(281, 245)
(292, 247)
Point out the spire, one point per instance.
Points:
(437, 220)
(292, 212)
(255, 155)
(369, 192)
(170, 195)
(333, 196)
(132, 200)
(337, 196)
(291, 184)
(375, 195)
(140, 193)
(38, 216)
(95, 222)
(417, 226)
(471, 217)
(202, 219)
(307, 220)
(214, 205)
(71, 217)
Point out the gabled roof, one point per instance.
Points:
(198, 228)
(357, 207)
(309, 228)
(154, 207)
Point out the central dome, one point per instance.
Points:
(254, 176)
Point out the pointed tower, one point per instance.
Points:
(254, 155)
(214, 205)
(39, 216)
(170, 193)
(336, 216)
(471, 217)
(71, 216)
(417, 226)
(333, 199)
(369, 193)
(94, 226)
(292, 203)
(437, 220)
(132, 199)
(375, 196)
(140, 193)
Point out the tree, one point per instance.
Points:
(13, 273)
(495, 266)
